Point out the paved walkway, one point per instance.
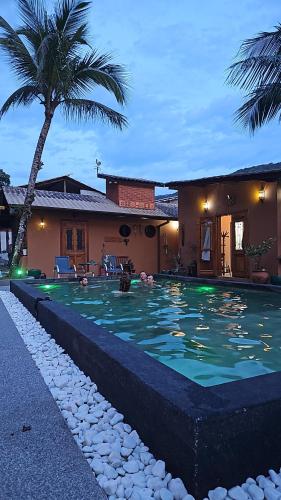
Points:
(39, 458)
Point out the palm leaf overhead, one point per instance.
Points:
(52, 57)
(258, 72)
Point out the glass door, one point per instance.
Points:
(239, 233)
(74, 237)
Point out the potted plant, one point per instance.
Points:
(259, 273)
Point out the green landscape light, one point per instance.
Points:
(19, 272)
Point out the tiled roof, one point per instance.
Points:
(170, 209)
(269, 171)
(94, 202)
(129, 179)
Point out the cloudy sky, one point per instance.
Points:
(180, 111)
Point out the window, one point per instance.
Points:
(206, 240)
(239, 234)
(5, 244)
(69, 244)
(80, 239)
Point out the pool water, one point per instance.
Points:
(209, 334)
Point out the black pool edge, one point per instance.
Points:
(216, 436)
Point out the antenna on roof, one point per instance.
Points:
(98, 164)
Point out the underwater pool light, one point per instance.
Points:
(48, 287)
(206, 289)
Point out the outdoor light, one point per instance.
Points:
(174, 224)
(42, 223)
(206, 205)
(262, 194)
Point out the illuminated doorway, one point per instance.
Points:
(225, 226)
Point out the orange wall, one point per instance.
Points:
(44, 244)
(262, 217)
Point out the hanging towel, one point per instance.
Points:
(206, 250)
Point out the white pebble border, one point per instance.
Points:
(121, 463)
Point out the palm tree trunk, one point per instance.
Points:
(29, 197)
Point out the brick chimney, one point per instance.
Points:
(131, 194)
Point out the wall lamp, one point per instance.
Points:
(42, 223)
(261, 194)
(206, 205)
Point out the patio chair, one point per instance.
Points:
(62, 266)
(111, 266)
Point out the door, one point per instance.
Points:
(74, 238)
(239, 238)
(209, 246)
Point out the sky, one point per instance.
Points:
(180, 110)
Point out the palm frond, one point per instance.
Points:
(255, 71)
(69, 15)
(265, 43)
(18, 54)
(262, 105)
(96, 69)
(85, 109)
(24, 95)
(33, 14)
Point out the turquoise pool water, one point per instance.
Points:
(209, 334)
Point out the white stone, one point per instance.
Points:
(165, 494)
(255, 492)
(158, 469)
(218, 494)
(237, 493)
(103, 449)
(275, 478)
(131, 466)
(177, 487)
(129, 441)
(110, 472)
(110, 487)
(125, 452)
(97, 466)
(271, 493)
(91, 419)
(116, 419)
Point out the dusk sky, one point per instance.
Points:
(180, 110)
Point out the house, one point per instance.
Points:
(74, 219)
(219, 215)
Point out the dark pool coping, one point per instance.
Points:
(221, 282)
(201, 432)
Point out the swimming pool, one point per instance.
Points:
(210, 334)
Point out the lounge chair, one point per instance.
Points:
(62, 266)
(111, 266)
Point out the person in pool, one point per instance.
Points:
(83, 281)
(125, 283)
(143, 277)
(150, 280)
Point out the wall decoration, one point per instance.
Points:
(125, 230)
(150, 231)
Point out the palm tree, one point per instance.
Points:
(53, 59)
(258, 72)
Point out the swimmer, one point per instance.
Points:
(150, 280)
(143, 276)
(83, 281)
(125, 283)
